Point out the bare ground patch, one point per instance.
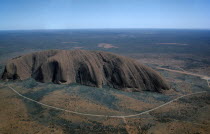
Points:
(179, 44)
(106, 45)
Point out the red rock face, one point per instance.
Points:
(92, 68)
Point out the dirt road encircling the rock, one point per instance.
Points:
(98, 115)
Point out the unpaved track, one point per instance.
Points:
(185, 72)
(98, 115)
(207, 78)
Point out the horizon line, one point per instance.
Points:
(101, 29)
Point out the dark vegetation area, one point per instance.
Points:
(127, 40)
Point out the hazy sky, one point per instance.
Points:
(77, 14)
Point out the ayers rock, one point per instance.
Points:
(92, 68)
